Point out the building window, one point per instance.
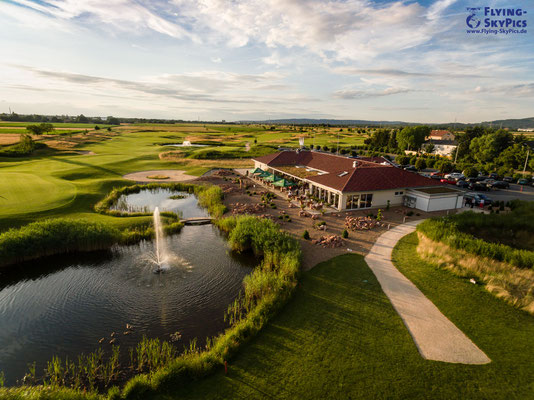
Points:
(399, 193)
(359, 201)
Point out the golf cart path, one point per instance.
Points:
(435, 336)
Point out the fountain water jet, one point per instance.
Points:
(160, 251)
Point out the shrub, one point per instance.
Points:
(306, 235)
(345, 234)
(55, 236)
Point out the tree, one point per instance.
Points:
(413, 160)
(429, 148)
(487, 147)
(464, 141)
(26, 144)
(114, 121)
(402, 160)
(470, 172)
(82, 119)
(97, 128)
(392, 143)
(445, 166)
(420, 164)
(513, 156)
(35, 129)
(412, 137)
(40, 129)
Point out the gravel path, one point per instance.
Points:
(435, 336)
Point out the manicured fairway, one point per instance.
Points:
(339, 338)
(24, 192)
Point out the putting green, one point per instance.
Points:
(27, 193)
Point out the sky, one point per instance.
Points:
(264, 59)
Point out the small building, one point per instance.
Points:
(443, 147)
(441, 135)
(350, 184)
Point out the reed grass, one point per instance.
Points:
(448, 230)
(55, 236)
(512, 284)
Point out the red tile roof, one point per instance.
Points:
(366, 176)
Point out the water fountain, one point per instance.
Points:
(186, 143)
(161, 254)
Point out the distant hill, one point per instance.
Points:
(512, 123)
(505, 123)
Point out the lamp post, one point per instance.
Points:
(526, 160)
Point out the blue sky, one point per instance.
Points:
(260, 59)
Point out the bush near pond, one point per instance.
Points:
(55, 236)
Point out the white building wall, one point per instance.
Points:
(444, 149)
(442, 203)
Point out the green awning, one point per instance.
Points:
(264, 174)
(256, 171)
(271, 178)
(284, 183)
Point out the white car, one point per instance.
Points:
(455, 175)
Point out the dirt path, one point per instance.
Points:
(435, 336)
(174, 175)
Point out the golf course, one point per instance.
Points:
(327, 333)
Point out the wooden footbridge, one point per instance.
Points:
(197, 221)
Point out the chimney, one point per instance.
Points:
(354, 164)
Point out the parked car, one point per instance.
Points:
(472, 180)
(487, 182)
(455, 175)
(462, 184)
(437, 177)
(508, 179)
(475, 199)
(500, 185)
(449, 181)
(495, 176)
(523, 181)
(481, 178)
(436, 173)
(478, 187)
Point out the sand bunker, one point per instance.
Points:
(173, 174)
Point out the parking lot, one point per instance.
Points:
(515, 192)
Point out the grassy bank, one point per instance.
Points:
(505, 271)
(512, 284)
(340, 338)
(447, 230)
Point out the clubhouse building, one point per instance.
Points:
(347, 183)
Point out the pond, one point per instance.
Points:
(65, 305)
(183, 203)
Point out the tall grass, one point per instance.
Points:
(512, 284)
(447, 230)
(55, 236)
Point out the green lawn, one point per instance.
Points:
(33, 193)
(339, 338)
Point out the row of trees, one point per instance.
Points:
(485, 147)
(81, 119)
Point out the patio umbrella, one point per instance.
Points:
(264, 174)
(284, 183)
(256, 171)
(271, 178)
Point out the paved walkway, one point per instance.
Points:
(435, 336)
